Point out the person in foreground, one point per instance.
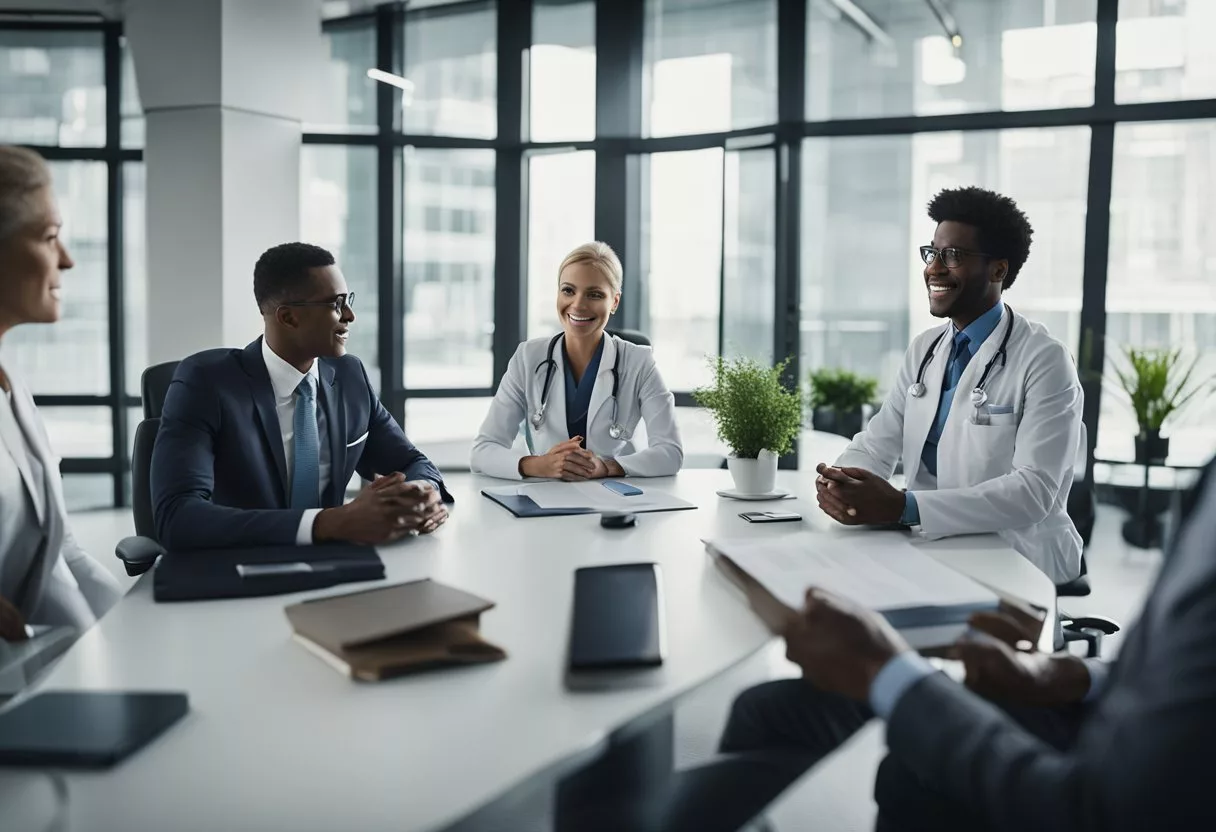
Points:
(45, 577)
(985, 411)
(1031, 741)
(256, 445)
(581, 393)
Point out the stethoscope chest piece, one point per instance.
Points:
(979, 397)
(916, 390)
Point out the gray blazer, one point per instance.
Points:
(64, 585)
(1143, 756)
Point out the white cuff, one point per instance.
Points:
(304, 533)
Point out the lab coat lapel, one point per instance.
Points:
(602, 391)
(555, 415)
(920, 412)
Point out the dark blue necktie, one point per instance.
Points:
(954, 372)
(962, 356)
(306, 475)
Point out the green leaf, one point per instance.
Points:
(752, 408)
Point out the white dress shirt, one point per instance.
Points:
(285, 378)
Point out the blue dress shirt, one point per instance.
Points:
(972, 338)
(578, 394)
(906, 669)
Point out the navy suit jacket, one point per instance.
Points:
(219, 475)
(1142, 759)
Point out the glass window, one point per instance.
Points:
(79, 431)
(1160, 289)
(682, 244)
(451, 71)
(347, 102)
(338, 213)
(1164, 50)
(561, 215)
(863, 215)
(88, 492)
(449, 272)
(52, 88)
(562, 71)
(131, 111)
(749, 251)
(444, 429)
(135, 269)
(1011, 55)
(709, 66)
(72, 356)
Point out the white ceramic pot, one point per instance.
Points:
(754, 476)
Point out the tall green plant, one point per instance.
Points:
(841, 390)
(751, 407)
(1157, 384)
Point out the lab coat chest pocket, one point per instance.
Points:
(987, 449)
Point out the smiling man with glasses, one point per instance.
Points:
(256, 446)
(986, 411)
(985, 414)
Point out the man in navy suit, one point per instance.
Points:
(256, 446)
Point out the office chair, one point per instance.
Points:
(633, 336)
(1082, 508)
(139, 553)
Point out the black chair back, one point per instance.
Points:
(633, 336)
(154, 386)
(141, 476)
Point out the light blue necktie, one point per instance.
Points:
(306, 476)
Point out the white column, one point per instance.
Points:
(224, 85)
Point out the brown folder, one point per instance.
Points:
(390, 631)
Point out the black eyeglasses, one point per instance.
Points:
(952, 256)
(339, 303)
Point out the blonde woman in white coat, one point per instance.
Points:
(45, 577)
(579, 397)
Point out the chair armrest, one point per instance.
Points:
(138, 554)
(1101, 623)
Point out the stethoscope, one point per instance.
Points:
(979, 393)
(615, 429)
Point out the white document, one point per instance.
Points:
(879, 570)
(593, 495)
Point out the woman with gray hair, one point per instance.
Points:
(45, 577)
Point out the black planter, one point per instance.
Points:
(843, 423)
(1152, 448)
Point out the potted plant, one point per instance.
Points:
(839, 399)
(1158, 384)
(757, 418)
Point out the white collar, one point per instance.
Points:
(285, 378)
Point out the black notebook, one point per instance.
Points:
(268, 570)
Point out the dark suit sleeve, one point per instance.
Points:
(389, 450)
(1142, 759)
(183, 466)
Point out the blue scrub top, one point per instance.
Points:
(578, 395)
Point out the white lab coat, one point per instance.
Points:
(643, 397)
(1011, 476)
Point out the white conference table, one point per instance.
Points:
(276, 739)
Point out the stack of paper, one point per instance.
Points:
(594, 496)
(926, 600)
